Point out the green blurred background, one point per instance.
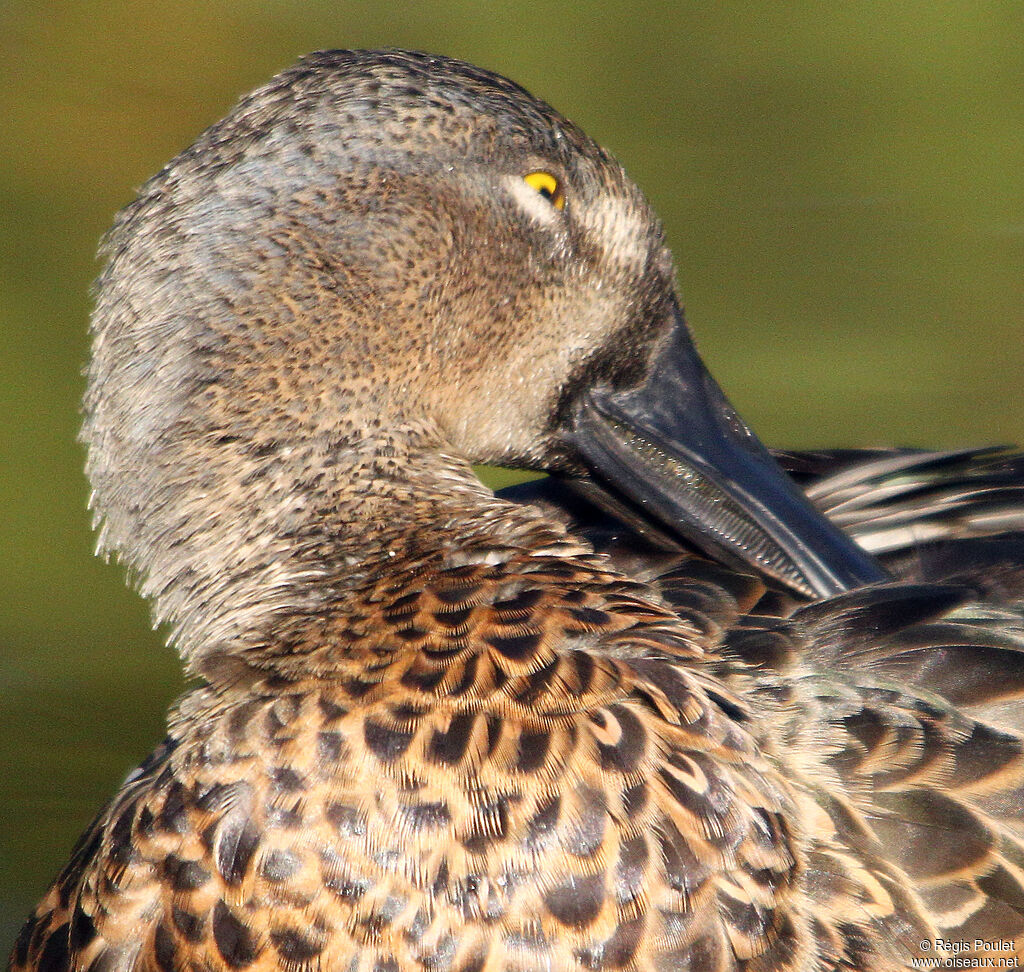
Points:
(843, 185)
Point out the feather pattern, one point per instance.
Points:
(540, 761)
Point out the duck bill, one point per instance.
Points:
(676, 448)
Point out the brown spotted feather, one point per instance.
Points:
(534, 763)
(527, 766)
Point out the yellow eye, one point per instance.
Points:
(548, 186)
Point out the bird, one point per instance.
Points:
(685, 704)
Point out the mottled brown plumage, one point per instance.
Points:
(443, 730)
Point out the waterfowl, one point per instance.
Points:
(660, 713)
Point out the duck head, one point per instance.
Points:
(380, 257)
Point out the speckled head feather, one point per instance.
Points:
(311, 283)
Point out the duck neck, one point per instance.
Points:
(294, 537)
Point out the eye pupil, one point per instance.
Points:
(547, 186)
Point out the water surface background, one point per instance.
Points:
(843, 186)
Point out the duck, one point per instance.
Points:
(685, 704)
